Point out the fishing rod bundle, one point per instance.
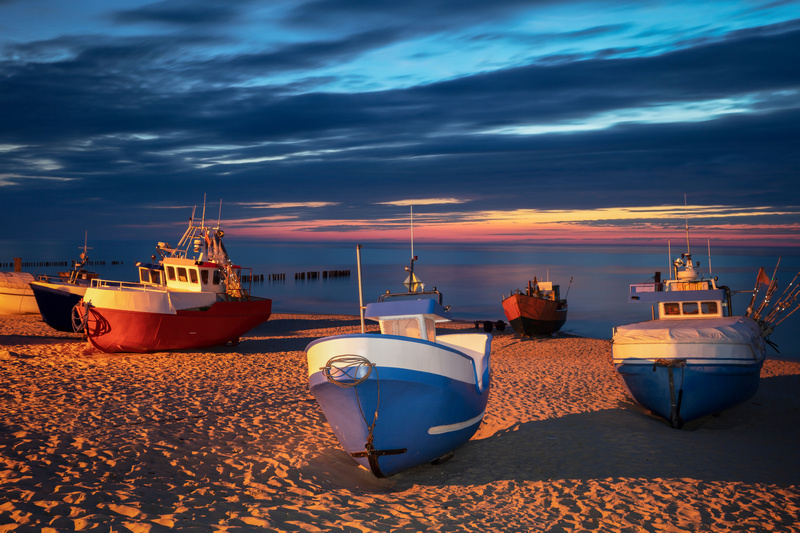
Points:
(770, 314)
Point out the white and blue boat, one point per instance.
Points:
(694, 359)
(407, 396)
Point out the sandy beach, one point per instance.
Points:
(230, 439)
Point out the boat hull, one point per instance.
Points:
(56, 302)
(680, 394)
(683, 370)
(120, 330)
(16, 296)
(529, 315)
(425, 399)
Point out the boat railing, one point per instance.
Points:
(433, 294)
(673, 285)
(233, 295)
(126, 285)
(694, 285)
(646, 287)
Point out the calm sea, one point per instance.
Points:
(473, 278)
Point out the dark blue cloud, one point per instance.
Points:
(129, 121)
(181, 14)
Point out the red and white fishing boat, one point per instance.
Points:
(194, 298)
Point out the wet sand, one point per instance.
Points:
(230, 439)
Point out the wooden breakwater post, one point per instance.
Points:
(336, 274)
(325, 274)
(19, 264)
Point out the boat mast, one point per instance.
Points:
(361, 307)
(672, 268)
(412, 283)
(412, 234)
(411, 280)
(203, 222)
(686, 218)
(709, 259)
(85, 255)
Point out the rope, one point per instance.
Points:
(348, 367)
(348, 371)
(343, 370)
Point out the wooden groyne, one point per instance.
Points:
(308, 275)
(18, 264)
(325, 274)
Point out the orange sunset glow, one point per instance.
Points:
(433, 222)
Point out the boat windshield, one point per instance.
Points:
(690, 309)
(410, 327)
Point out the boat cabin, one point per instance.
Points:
(544, 290)
(193, 276)
(688, 296)
(183, 274)
(408, 318)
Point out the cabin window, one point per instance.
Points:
(405, 327)
(182, 274)
(171, 273)
(204, 276)
(690, 308)
(709, 308)
(671, 309)
(144, 275)
(193, 275)
(430, 326)
(155, 277)
(217, 279)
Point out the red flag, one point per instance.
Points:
(762, 278)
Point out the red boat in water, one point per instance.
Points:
(539, 310)
(181, 303)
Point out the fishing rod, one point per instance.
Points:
(755, 292)
(773, 284)
(568, 287)
(786, 300)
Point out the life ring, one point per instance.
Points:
(78, 318)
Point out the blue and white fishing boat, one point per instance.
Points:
(695, 358)
(408, 395)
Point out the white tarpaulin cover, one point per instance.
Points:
(733, 330)
(15, 279)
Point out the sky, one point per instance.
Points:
(541, 121)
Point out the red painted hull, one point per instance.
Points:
(115, 330)
(529, 315)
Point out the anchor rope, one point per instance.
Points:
(348, 366)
